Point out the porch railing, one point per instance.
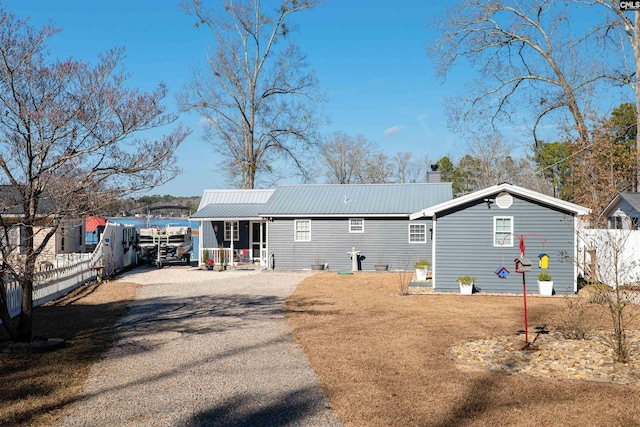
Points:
(224, 256)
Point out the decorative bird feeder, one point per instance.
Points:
(523, 265)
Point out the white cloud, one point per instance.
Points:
(393, 130)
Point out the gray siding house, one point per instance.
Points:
(230, 219)
(479, 233)
(623, 212)
(320, 224)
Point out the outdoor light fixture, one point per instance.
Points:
(488, 201)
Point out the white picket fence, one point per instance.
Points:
(53, 283)
(616, 252)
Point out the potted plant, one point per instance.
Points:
(545, 284)
(206, 259)
(223, 266)
(381, 265)
(466, 284)
(422, 267)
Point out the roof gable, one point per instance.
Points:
(633, 199)
(230, 204)
(355, 199)
(494, 190)
(234, 196)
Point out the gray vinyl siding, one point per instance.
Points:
(384, 241)
(464, 239)
(209, 237)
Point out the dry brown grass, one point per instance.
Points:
(381, 358)
(35, 387)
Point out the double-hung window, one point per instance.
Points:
(356, 225)
(227, 231)
(302, 230)
(503, 231)
(417, 233)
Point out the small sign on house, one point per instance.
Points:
(523, 265)
(543, 261)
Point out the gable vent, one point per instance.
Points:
(504, 200)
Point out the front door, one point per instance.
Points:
(255, 238)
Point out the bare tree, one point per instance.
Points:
(407, 168)
(491, 161)
(67, 142)
(260, 101)
(342, 157)
(354, 160)
(519, 46)
(532, 59)
(610, 269)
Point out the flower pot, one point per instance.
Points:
(381, 267)
(209, 267)
(317, 267)
(421, 274)
(545, 288)
(466, 289)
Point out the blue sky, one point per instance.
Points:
(369, 56)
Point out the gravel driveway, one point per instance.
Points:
(202, 348)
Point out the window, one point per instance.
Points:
(417, 233)
(227, 231)
(356, 225)
(503, 231)
(302, 230)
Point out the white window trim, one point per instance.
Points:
(351, 230)
(236, 231)
(425, 233)
(295, 230)
(493, 237)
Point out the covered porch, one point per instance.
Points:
(232, 241)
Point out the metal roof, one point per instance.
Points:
(229, 211)
(234, 196)
(355, 199)
(513, 189)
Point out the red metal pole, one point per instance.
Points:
(526, 323)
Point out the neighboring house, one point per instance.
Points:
(478, 234)
(623, 212)
(68, 238)
(321, 223)
(231, 218)
(94, 227)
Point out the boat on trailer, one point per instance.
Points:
(171, 242)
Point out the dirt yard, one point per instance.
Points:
(382, 358)
(35, 387)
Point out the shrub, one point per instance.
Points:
(544, 277)
(466, 280)
(422, 264)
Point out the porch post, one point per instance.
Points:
(231, 245)
(200, 251)
(267, 257)
(262, 261)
